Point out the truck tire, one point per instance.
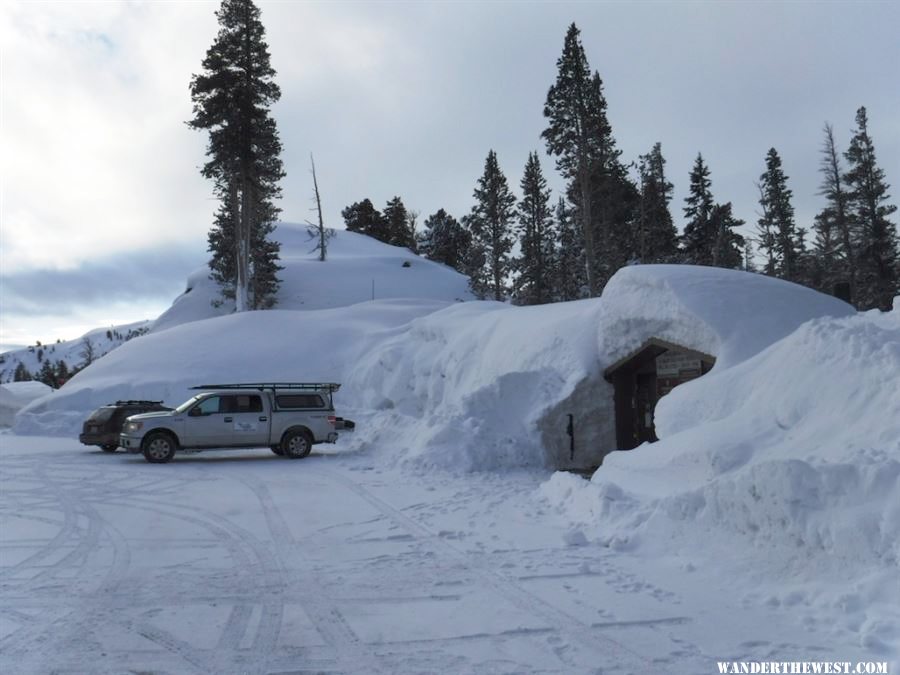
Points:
(296, 444)
(158, 447)
(109, 447)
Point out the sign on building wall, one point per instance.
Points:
(677, 364)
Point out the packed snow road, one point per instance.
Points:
(244, 562)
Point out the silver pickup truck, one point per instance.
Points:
(288, 417)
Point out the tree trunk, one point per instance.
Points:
(587, 228)
(242, 210)
(322, 237)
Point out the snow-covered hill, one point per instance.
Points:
(357, 269)
(74, 353)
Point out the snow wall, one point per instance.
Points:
(470, 385)
(793, 453)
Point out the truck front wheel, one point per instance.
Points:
(158, 447)
(296, 444)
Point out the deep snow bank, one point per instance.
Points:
(16, 395)
(793, 453)
(272, 345)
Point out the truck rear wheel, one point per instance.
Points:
(296, 444)
(158, 447)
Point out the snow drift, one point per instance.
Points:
(794, 452)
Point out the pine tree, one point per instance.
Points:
(580, 136)
(21, 374)
(47, 375)
(826, 253)
(444, 240)
(534, 280)
(490, 223)
(699, 235)
(877, 244)
(657, 236)
(475, 262)
(837, 260)
(61, 372)
(364, 218)
(777, 230)
(232, 97)
(728, 245)
(397, 222)
(569, 271)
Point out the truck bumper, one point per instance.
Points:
(130, 443)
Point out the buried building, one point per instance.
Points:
(662, 327)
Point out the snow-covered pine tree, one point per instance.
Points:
(699, 236)
(657, 236)
(569, 271)
(878, 250)
(535, 230)
(232, 97)
(580, 136)
(444, 240)
(490, 223)
(776, 226)
(835, 246)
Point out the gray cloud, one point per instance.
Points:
(156, 275)
(400, 99)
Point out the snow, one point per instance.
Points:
(765, 523)
(794, 454)
(16, 395)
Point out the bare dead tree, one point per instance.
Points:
(322, 246)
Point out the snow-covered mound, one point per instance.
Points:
(358, 269)
(16, 395)
(731, 315)
(794, 453)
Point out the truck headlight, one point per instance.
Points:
(133, 426)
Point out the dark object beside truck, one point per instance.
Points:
(105, 424)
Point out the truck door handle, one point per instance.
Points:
(229, 419)
(263, 418)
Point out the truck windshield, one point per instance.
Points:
(187, 404)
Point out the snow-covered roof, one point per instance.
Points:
(729, 314)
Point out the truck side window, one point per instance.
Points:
(208, 406)
(246, 403)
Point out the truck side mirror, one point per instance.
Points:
(195, 412)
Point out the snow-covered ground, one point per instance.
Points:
(763, 526)
(243, 562)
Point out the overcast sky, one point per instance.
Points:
(104, 212)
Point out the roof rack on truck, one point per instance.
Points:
(330, 387)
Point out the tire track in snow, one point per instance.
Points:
(350, 652)
(26, 639)
(589, 638)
